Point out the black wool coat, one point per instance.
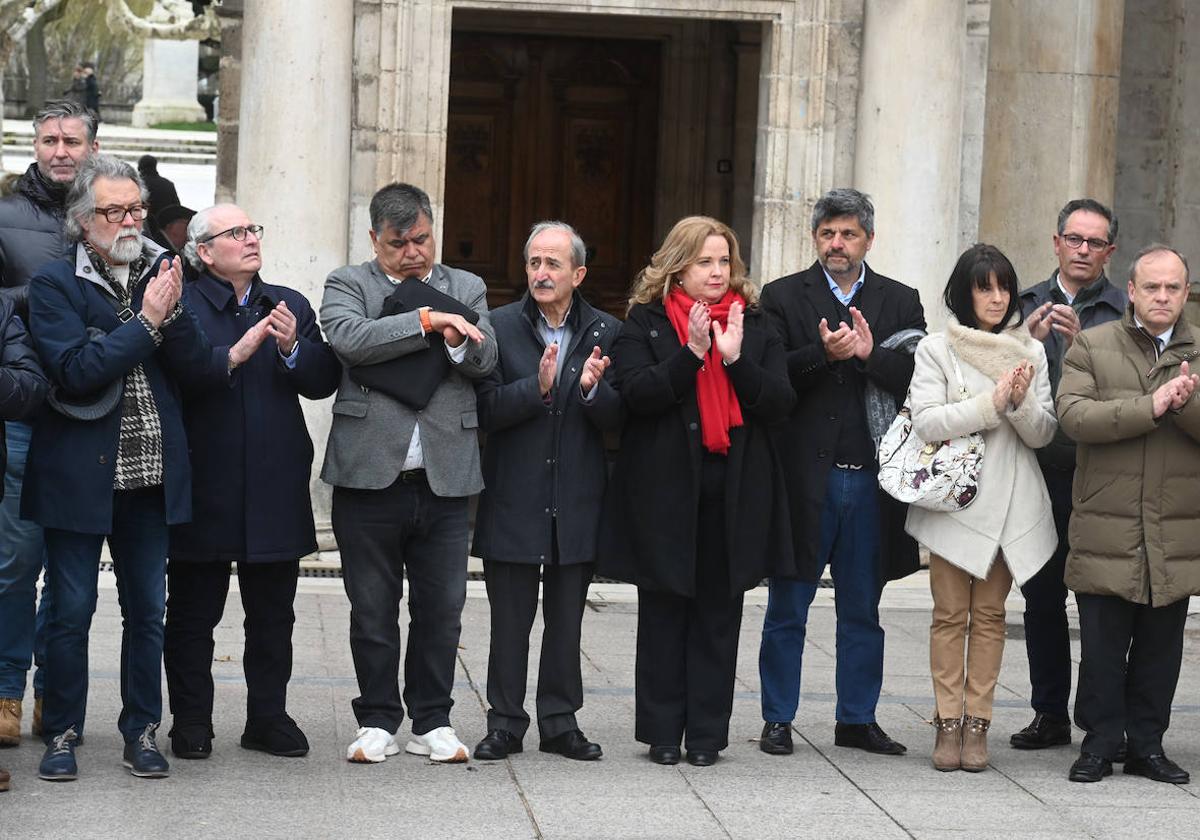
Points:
(652, 506)
(795, 305)
(250, 450)
(544, 462)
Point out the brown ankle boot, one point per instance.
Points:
(947, 748)
(974, 744)
(10, 722)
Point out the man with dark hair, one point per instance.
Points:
(1127, 397)
(1077, 295)
(31, 220)
(110, 461)
(162, 195)
(402, 474)
(850, 379)
(91, 89)
(545, 408)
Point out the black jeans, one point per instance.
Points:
(1047, 636)
(687, 647)
(513, 595)
(1127, 673)
(196, 594)
(384, 534)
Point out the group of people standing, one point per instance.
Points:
(749, 426)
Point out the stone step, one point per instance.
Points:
(199, 158)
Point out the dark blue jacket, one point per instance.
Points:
(72, 463)
(22, 383)
(250, 450)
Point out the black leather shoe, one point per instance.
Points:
(866, 736)
(664, 755)
(1044, 731)
(776, 739)
(572, 744)
(1090, 767)
(277, 736)
(1157, 767)
(702, 758)
(191, 740)
(498, 745)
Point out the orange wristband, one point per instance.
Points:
(426, 324)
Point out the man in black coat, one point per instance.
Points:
(31, 234)
(162, 196)
(545, 408)
(252, 459)
(839, 321)
(1076, 296)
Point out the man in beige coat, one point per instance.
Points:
(1126, 398)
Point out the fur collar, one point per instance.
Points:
(992, 354)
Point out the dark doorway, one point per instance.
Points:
(547, 127)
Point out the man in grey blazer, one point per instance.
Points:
(401, 479)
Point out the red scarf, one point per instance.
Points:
(719, 408)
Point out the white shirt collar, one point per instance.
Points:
(1164, 337)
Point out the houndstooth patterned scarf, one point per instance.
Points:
(139, 445)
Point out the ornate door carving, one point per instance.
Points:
(551, 128)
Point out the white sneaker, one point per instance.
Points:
(371, 746)
(439, 744)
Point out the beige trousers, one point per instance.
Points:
(966, 638)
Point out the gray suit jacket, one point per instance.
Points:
(371, 431)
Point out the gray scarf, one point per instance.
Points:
(881, 406)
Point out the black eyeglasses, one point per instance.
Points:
(1075, 241)
(116, 215)
(238, 233)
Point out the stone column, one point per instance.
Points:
(229, 102)
(910, 135)
(1050, 133)
(169, 75)
(806, 124)
(294, 156)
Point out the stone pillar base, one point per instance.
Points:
(148, 113)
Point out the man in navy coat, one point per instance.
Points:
(108, 317)
(545, 407)
(250, 477)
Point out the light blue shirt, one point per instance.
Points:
(837, 290)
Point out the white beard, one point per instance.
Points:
(125, 248)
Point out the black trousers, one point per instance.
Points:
(1047, 636)
(1127, 672)
(513, 595)
(195, 603)
(384, 535)
(687, 647)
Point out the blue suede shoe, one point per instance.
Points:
(143, 758)
(58, 763)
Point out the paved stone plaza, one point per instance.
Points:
(821, 792)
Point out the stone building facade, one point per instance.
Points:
(965, 120)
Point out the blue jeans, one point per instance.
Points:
(138, 545)
(850, 546)
(22, 557)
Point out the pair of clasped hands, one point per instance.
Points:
(1174, 393)
(703, 332)
(1012, 387)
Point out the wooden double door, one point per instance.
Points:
(545, 127)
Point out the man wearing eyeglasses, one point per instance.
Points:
(242, 412)
(1078, 295)
(31, 235)
(110, 461)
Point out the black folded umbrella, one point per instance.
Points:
(413, 377)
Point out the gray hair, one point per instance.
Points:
(845, 202)
(197, 229)
(81, 197)
(399, 206)
(67, 111)
(1089, 205)
(1157, 248)
(578, 249)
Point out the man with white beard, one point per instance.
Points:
(110, 460)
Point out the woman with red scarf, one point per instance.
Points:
(696, 508)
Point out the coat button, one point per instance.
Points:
(692, 426)
(832, 416)
(87, 269)
(654, 333)
(822, 453)
(596, 333)
(103, 459)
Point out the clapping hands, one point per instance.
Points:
(847, 341)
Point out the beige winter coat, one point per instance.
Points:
(1012, 511)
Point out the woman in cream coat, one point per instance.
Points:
(1007, 533)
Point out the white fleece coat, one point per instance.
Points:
(1012, 511)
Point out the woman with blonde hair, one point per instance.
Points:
(985, 374)
(696, 508)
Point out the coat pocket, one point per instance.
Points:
(351, 408)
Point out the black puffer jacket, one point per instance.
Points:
(30, 234)
(22, 383)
